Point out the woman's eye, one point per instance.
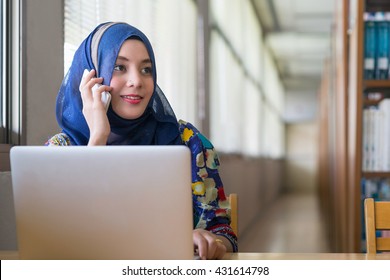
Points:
(119, 68)
(147, 70)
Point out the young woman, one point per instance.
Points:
(120, 58)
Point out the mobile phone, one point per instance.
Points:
(106, 96)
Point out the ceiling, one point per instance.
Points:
(298, 34)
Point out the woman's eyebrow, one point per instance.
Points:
(146, 60)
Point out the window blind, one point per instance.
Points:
(246, 93)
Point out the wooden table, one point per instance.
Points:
(13, 255)
(306, 256)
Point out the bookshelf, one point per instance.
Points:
(358, 89)
(344, 95)
(370, 175)
(376, 84)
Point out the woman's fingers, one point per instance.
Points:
(91, 90)
(94, 110)
(221, 251)
(208, 245)
(87, 76)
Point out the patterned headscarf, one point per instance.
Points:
(158, 124)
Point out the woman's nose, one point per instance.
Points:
(134, 80)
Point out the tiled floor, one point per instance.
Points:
(292, 225)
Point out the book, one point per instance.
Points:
(384, 107)
(383, 46)
(369, 46)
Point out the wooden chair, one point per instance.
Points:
(377, 217)
(233, 200)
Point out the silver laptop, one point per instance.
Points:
(121, 202)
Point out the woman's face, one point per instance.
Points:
(132, 80)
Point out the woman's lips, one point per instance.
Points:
(132, 98)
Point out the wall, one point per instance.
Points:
(256, 181)
(43, 22)
(7, 218)
(301, 160)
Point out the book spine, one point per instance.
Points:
(369, 46)
(383, 46)
(366, 133)
(371, 138)
(378, 143)
(384, 107)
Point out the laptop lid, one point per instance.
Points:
(111, 202)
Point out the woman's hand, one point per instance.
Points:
(209, 246)
(93, 109)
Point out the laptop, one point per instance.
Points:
(107, 202)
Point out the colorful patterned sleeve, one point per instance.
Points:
(211, 206)
(60, 139)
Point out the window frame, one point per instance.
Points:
(11, 69)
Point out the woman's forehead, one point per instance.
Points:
(133, 47)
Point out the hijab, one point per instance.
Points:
(158, 124)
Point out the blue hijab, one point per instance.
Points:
(157, 126)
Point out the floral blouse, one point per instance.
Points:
(210, 205)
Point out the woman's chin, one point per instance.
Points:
(129, 114)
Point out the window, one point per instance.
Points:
(246, 94)
(2, 71)
(10, 131)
